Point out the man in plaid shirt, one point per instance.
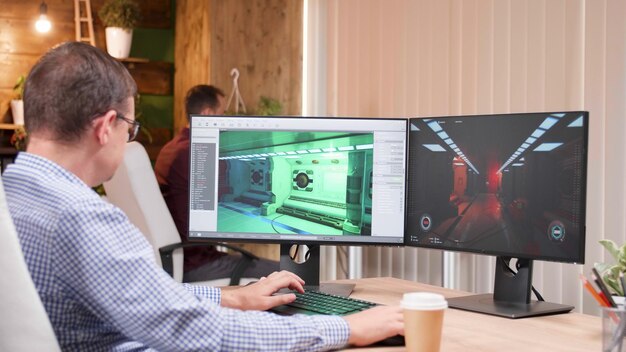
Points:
(94, 270)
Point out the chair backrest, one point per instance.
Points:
(24, 324)
(135, 190)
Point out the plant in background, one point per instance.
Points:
(100, 190)
(611, 271)
(18, 88)
(19, 139)
(120, 13)
(142, 120)
(268, 107)
(265, 107)
(17, 104)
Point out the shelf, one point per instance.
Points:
(133, 59)
(9, 126)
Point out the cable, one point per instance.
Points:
(307, 255)
(343, 252)
(537, 294)
(517, 266)
(295, 253)
(272, 223)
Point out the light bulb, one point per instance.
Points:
(43, 25)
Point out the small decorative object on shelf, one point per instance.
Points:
(119, 18)
(19, 139)
(17, 104)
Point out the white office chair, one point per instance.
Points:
(24, 324)
(135, 190)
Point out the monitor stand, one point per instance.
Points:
(511, 297)
(307, 266)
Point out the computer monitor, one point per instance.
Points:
(508, 185)
(298, 180)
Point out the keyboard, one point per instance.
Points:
(314, 302)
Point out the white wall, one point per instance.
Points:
(443, 57)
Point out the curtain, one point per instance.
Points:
(407, 58)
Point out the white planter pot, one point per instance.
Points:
(118, 41)
(17, 110)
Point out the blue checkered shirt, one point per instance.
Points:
(103, 291)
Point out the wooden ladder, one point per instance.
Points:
(83, 20)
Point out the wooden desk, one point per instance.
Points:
(466, 331)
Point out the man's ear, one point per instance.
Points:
(103, 126)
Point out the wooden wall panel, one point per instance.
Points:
(151, 77)
(192, 59)
(21, 46)
(263, 39)
(18, 36)
(5, 106)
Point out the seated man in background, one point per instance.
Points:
(172, 172)
(95, 272)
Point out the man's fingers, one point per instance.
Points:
(283, 279)
(283, 273)
(288, 280)
(277, 300)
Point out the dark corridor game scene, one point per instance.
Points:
(509, 184)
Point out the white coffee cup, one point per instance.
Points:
(423, 320)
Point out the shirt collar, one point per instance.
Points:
(47, 167)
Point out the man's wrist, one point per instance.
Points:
(229, 299)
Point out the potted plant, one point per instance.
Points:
(19, 139)
(611, 271)
(119, 18)
(17, 104)
(269, 107)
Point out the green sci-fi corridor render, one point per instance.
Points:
(295, 182)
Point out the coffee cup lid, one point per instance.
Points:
(423, 301)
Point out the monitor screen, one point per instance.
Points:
(506, 185)
(297, 179)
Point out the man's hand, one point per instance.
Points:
(375, 324)
(258, 296)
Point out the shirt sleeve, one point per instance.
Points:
(213, 294)
(107, 265)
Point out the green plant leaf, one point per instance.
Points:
(614, 286)
(18, 88)
(268, 107)
(611, 247)
(621, 259)
(602, 267)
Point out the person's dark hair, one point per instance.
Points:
(201, 97)
(70, 86)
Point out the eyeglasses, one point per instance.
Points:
(133, 129)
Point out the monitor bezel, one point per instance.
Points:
(583, 202)
(301, 239)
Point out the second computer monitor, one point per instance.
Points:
(508, 185)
